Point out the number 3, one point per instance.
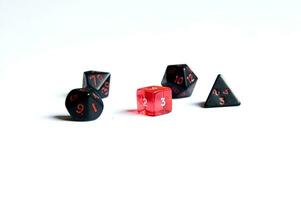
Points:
(163, 103)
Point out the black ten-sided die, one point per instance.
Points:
(180, 79)
(221, 95)
(84, 104)
(100, 81)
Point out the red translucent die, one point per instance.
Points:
(154, 100)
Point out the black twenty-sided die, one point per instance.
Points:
(84, 104)
(180, 79)
(99, 81)
(221, 95)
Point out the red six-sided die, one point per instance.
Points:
(154, 100)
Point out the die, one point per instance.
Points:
(221, 95)
(99, 81)
(154, 100)
(181, 80)
(84, 104)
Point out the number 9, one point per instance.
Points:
(80, 108)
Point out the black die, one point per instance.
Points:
(99, 81)
(84, 104)
(180, 79)
(221, 95)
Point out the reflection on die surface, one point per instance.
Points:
(181, 79)
(154, 100)
(99, 81)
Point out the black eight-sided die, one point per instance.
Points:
(100, 81)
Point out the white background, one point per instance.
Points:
(239, 153)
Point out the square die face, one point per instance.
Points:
(145, 101)
(152, 89)
(141, 100)
(163, 102)
(149, 103)
(154, 100)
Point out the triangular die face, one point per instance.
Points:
(105, 88)
(187, 92)
(176, 90)
(221, 95)
(95, 79)
(191, 88)
(175, 74)
(190, 77)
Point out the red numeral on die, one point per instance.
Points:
(80, 108)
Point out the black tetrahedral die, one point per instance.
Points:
(181, 80)
(84, 104)
(100, 81)
(221, 95)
